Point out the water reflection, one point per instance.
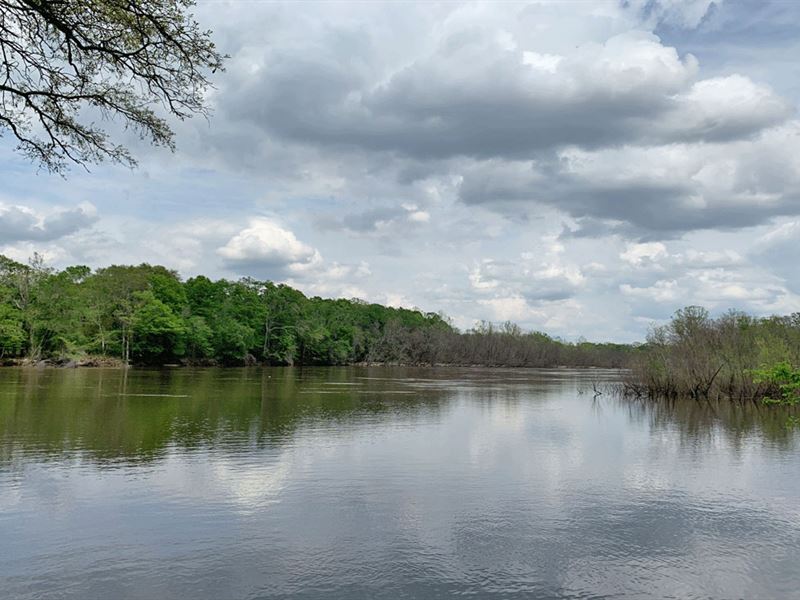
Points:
(700, 422)
(386, 483)
(138, 415)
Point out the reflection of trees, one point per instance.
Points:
(702, 420)
(136, 415)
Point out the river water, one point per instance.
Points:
(386, 483)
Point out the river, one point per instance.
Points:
(386, 483)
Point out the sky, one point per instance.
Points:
(579, 168)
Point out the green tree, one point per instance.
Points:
(110, 298)
(167, 287)
(283, 319)
(157, 334)
(199, 338)
(61, 314)
(232, 340)
(12, 335)
(205, 297)
(22, 284)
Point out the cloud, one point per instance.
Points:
(723, 108)
(20, 223)
(534, 281)
(265, 247)
(716, 289)
(460, 80)
(535, 278)
(381, 220)
(23, 251)
(480, 93)
(638, 254)
(657, 280)
(333, 280)
(621, 131)
(687, 14)
(557, 316)
(778, 251)
(268, 249)
(652, 192)
(606, 122)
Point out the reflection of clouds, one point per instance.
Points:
(246, 481)
(502, 421)
(639, 479)
(254, 486)
(10, 494)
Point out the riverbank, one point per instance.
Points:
(64, 363)
(111, 362)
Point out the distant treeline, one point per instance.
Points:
(735, 356)
(147, 315)
(488, 345)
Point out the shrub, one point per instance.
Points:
(782, 383)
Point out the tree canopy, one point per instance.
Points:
(66, 63)
(146, 314)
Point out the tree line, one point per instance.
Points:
(147, 314)
(735, 356)
(506, 345)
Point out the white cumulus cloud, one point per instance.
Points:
(267, 245)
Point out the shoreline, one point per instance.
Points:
(113, 363)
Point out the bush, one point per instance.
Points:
(782, 382)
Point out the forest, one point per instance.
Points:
(148, 315)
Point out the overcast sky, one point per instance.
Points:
(580, 168)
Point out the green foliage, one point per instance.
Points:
(198, 338)
(782, 380)
(12, 335)
(120, 58)
(156, 332)
(167, 287)
(232, 340)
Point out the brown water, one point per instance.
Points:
(386, 483)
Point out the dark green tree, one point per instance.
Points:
(156, 333)
(199, 339)
(12, 335)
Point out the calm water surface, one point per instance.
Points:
(386, 483)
